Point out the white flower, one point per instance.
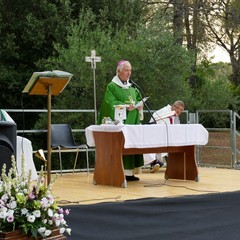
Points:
(5, 197)
(42, 230)
(63, 222)
(4, 209)
(47, 232)
(31, 206)
(24, 211)
(31, 218)
(10, 212)
(3, 214)
(44, 221)
(50, 212)
(13, 204)
(68, 230)
(37, 213)
(57, 222)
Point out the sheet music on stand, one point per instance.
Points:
(39, 81)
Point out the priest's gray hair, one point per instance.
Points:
(120, 66)
(179, 103)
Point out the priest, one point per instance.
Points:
(166, 115)
(121, 92)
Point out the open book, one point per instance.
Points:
(165, 115)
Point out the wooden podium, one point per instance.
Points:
(50, 83)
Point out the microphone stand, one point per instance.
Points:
(144, 102)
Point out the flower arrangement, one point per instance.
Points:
(28, 206)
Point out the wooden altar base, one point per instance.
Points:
(110, 149)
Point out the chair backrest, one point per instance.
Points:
(61, 135)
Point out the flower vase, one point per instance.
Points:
(18, 235)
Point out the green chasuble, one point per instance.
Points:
(117, 95)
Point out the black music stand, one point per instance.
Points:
(50, 83)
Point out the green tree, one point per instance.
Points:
(28, 30)
(223, 23)
(214, 92)
(159, 66)
(118, 13)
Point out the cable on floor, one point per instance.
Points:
(88, 200)
(178, 186)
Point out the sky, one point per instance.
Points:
(219, 55)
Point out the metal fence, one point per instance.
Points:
(222, 150)
(219, 152)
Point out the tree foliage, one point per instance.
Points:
(159, 66)
(28, 30)
(65, 32)
(223, 24)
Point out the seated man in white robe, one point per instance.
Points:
(24, 148)
(166, 115)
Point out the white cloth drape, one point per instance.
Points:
(24, 147)
(154, 135)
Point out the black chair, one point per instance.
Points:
(62, 139)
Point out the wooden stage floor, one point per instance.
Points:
(78, 188)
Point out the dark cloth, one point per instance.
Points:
(197, 217)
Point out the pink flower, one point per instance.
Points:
(31, 196)
(44, 202)
(67, 211)
(2, 202)
(10, 218)
(60, 210)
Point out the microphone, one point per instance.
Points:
(144, 102)
(134, 84)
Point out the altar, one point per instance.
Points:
(113, 141)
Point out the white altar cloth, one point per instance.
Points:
(154, 135)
